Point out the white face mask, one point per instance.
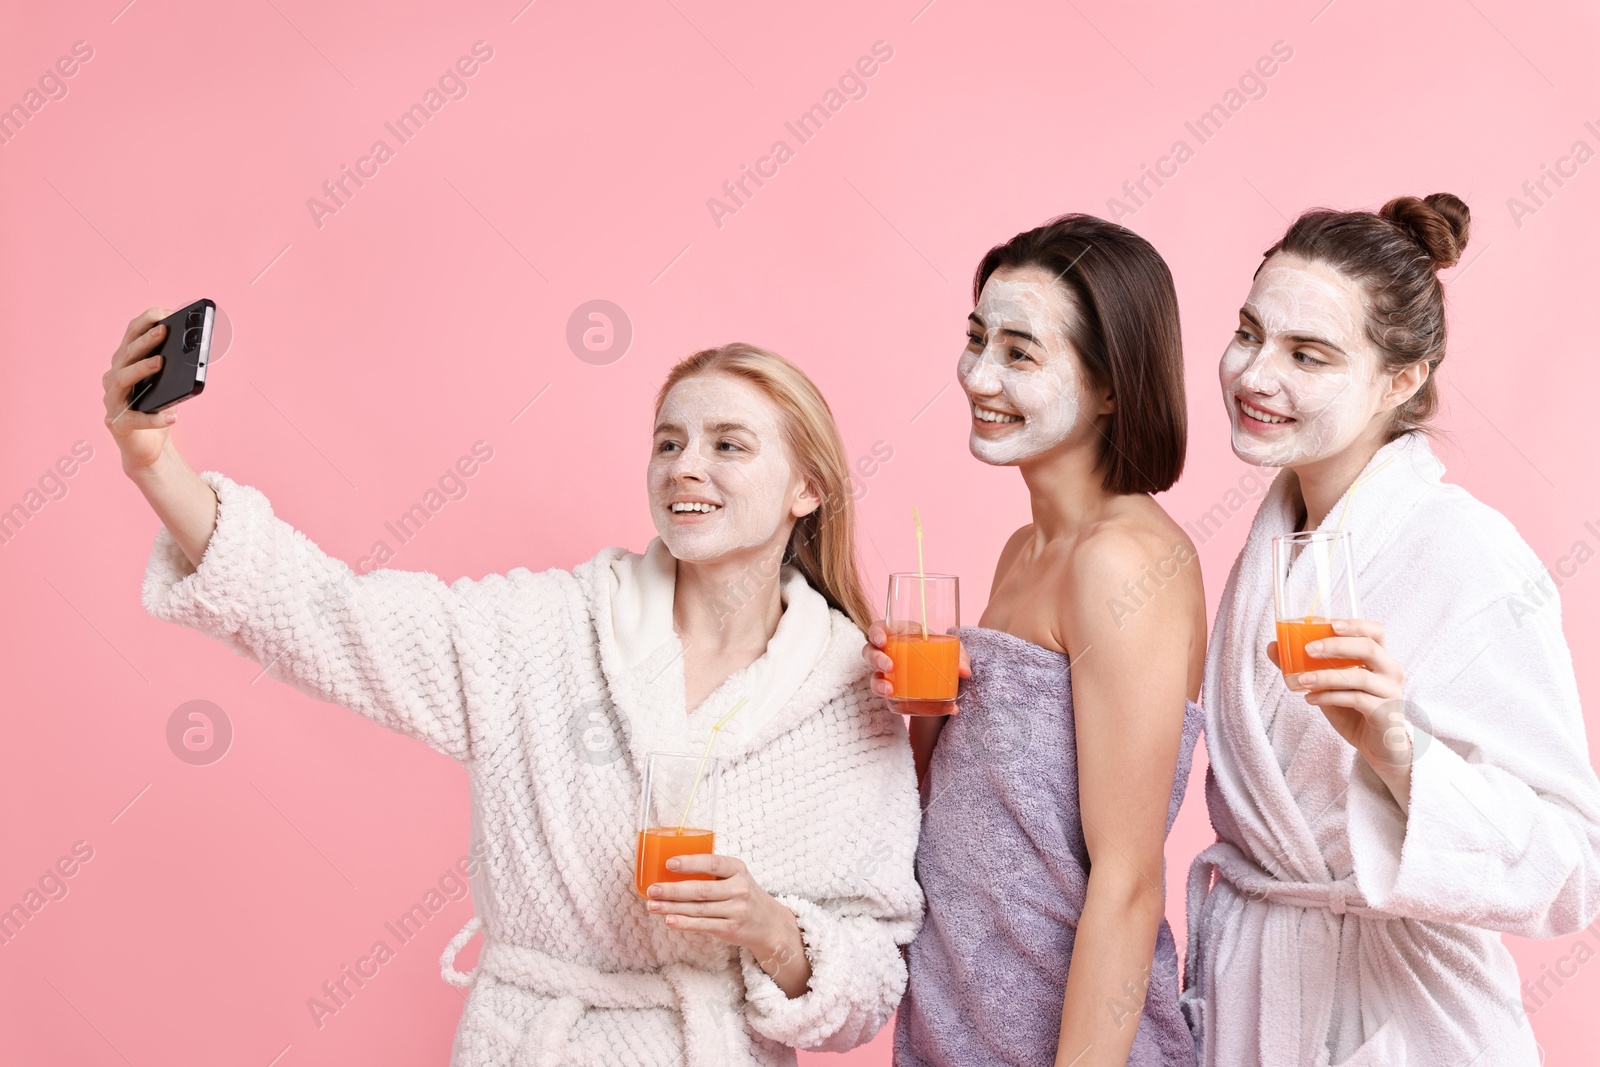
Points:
(1305, 359)
(718, 442)
(1031, 384)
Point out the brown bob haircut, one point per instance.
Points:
(1126, 333)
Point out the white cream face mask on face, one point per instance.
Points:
(725, 452)
(1291, 402)
(1024, 393)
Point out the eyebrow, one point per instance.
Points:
(1024, 334)
(718, 427)
(1301, 338)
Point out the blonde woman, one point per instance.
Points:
(750, 591)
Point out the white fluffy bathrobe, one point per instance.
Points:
(550, 688)
(1340, 931)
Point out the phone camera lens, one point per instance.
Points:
(191, 338)
(195, 318)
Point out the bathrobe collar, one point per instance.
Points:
(1377, 504)
(1246, 689)
(642, 655)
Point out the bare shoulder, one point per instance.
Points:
(1136, 558)
(1008, 555)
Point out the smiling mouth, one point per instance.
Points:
(983, 414)
(693, 507)
(1259, 417)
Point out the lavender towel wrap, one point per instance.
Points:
(1003, 864)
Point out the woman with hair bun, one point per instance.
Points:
(1379, 826)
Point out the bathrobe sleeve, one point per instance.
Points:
(386, 644)
(1503, 831)
(852, 935)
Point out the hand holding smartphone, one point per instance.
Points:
(185, 351)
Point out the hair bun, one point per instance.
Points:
(1439, 225)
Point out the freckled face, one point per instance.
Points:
(720, 479)
(1020, 372)
(1301, 380)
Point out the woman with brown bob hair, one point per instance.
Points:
(1050, 794)
(551, 689)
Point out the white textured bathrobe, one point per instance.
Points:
(550, 688)
(1340, 931)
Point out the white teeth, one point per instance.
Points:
(680, 508)
(1261, 416)
(986, 415)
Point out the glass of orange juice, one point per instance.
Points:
(923, 616)
(1314, 583)
(677, 813)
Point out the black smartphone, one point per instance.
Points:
(187, 349)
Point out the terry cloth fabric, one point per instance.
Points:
(1341, 930)
(550, 688)
(1003, 862)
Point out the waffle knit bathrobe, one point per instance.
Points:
(1339, 929)
(551, 688)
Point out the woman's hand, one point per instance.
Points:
(872, 652)
(731, 906)
(1365, 704)
(180, 498)
(142, 436)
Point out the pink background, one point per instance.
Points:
(426, 314)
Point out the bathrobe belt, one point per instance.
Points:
(1287, 990)
(1238, 870)
(714, 1031)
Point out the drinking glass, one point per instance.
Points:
(922, 618)
(677, 815)
(1314, 582)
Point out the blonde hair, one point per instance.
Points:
(822, 544)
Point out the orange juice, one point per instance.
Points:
(659, 844)
(925, 668)
(1295, 634)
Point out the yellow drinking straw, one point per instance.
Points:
(701, 767)
(922, 581)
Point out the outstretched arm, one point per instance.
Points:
(387, 645)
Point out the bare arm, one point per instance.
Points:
(185, 504)
(1129, 682)
(390, 645)
(924, 729)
